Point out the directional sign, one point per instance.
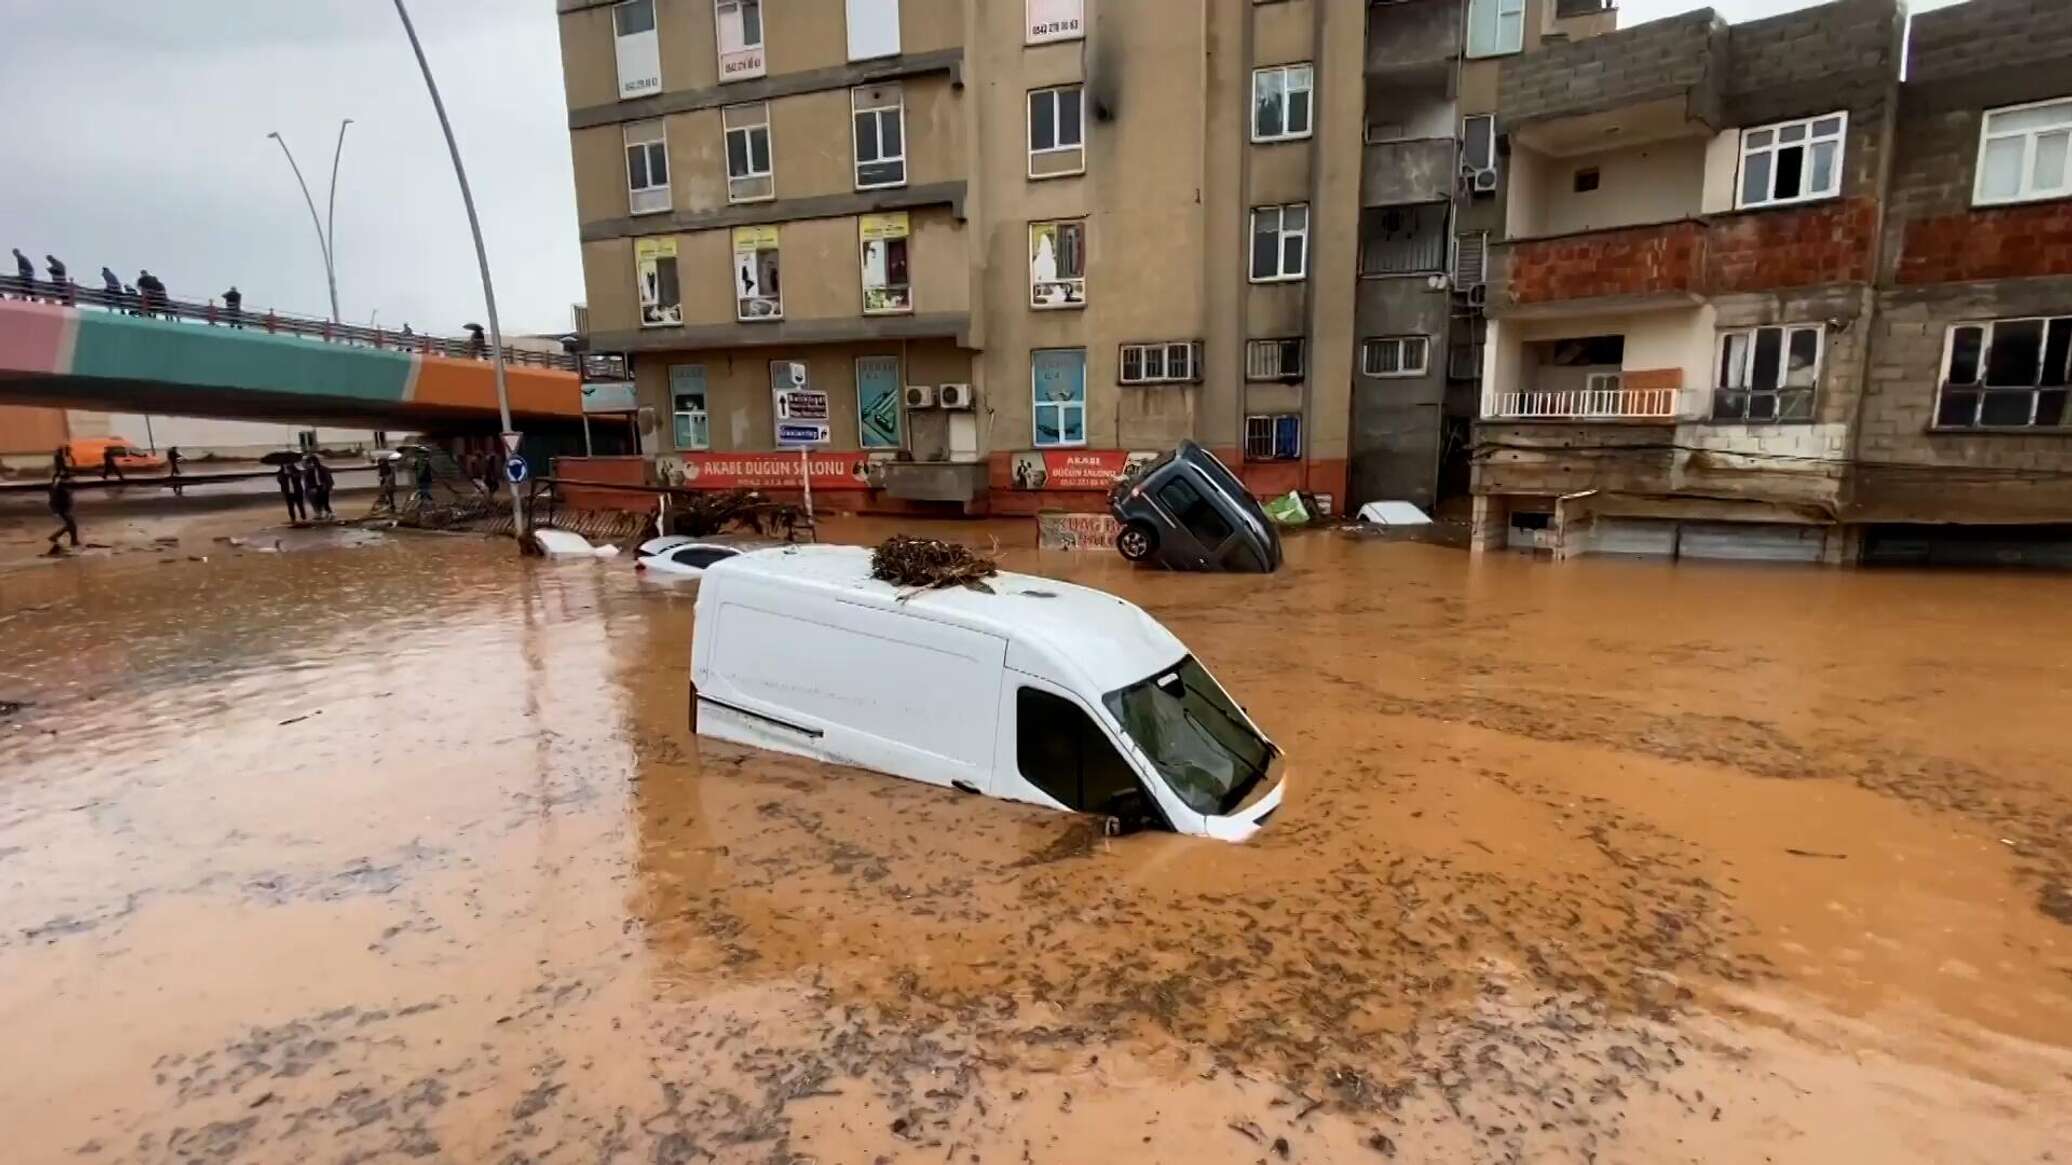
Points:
(511, 442)
(801, 405)
(803, 433)
(516, 469)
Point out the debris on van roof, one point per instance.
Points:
(931, 563)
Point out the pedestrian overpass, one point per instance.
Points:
(73, 347)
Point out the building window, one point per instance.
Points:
(1281, 103)
(2022, 153)
(1050, 20)
(647, 168)
(1395, 355)
(687, 400)
(1057, 379)
(639, 50)
(758, 294)
(2006, 374)
(1057, 132)
(1404, 240)
(873, 29)
(1274, 359)
(877, 401)
(879, 117)
(1470, 259)
(1172, 361)
(887, 289)
(654, 267)
(1280, 242)
(1768, 374)
(748, 152)
(1792, 161)
(1478, 142)
(1585, 180)
(740, 31)
(1057, 264)
(1495, 27)
(1273, 437)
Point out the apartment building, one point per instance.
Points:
(1747, 281)
(972, 254)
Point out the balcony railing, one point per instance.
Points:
(1583, 404)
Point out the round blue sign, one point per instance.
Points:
(517, 469)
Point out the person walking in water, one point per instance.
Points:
(290, 480)
(61, 505)
(173, 458)
(317, 482)
(385, 476)
(108, 463)
(423, 472)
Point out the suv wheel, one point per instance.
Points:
(1136, 541)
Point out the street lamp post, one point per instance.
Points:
(467, 197)
(327, 235)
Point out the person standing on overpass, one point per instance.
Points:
(27, 271)
(289, 478)
(234, 306)
(61, 505)
(60, 278)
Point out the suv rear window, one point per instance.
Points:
(1191, 509)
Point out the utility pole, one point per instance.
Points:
(326, 236)
(467, 197)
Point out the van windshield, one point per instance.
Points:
(1195, 736)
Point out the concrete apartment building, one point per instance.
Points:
(976, 253)
(1753, 297)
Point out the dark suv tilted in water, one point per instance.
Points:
(1187, 511)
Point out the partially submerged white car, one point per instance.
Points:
(679, 557)
(1040, 691)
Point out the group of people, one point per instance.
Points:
(145, 297)
(306, 488)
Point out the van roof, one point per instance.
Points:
(1109, 641)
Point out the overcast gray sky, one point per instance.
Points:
(135, 136)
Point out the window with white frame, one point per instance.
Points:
(1057, 263)
(2023, 153)
(758, 293)
(748, 152)
(1495, 27)
(1057, 384)
(687, 401)
(1395, 355)
(1478, 142)
(647, 168)
(1280, 242)
(1282, 102)
(2006, 374)
(1279, 359)
(1057, 132)
(1169, 362)
(1768, 374)
(739, 28)
(1792, 161)
(879, 119)
(873, 28)
(1273, 437)
(887, 287)
(638, 48)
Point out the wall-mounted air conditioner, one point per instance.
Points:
(1483, 181)
(920, 396)
(954, 396)
(1478, 294)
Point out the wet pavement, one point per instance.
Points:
(400, 850)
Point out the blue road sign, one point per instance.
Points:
(517, 469)
(802, 433)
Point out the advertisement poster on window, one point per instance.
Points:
(610, 396)
(1056, 20)
(1050, 469)
(740, 38)
(755, 273)
(775, 470)
(877, 401)
(883, 238)
(654, 264)
(687, 401)
(1057, 264)
(1058, 384)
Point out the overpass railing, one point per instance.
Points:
(154, 305)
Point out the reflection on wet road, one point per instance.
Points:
(404, 851)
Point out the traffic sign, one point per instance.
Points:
(511, 442)
(802, 433)
(516, 468)
(802, 405)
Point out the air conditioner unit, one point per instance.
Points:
(788, 374)
(920, 396)
(1484, 182)
(954, 396)
(1478, 294)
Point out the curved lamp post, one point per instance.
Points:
(327, 235)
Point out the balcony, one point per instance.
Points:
(1415, 38)
(1597, 403)
(1674, 63)
(1664, 262)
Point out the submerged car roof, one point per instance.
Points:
(1109, 641)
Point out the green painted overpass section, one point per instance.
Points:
(122, 347)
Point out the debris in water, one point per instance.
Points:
(931, 563)
(1812, 853)
(1381, 1144)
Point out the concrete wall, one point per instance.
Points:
(1653, 183)
(1674, 56)
(738, 398)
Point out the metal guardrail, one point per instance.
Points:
(1583, 404)
(274, 322)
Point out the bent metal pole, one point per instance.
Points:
(467, 197)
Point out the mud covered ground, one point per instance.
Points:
(398, 849)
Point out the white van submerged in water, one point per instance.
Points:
(1040, 691)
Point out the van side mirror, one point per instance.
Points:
(1128, 812)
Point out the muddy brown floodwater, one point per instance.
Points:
(401, 850)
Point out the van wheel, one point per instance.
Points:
(1136, 541)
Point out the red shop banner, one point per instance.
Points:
(774, 470)
(1071, 468)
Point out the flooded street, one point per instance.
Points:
(402, 850)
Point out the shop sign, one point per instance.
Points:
(1047, 469)
(774, 470)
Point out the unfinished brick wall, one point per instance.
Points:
(1645, 260)
(1827, 243)
(1991, 243)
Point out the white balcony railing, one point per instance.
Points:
(1583, 404)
